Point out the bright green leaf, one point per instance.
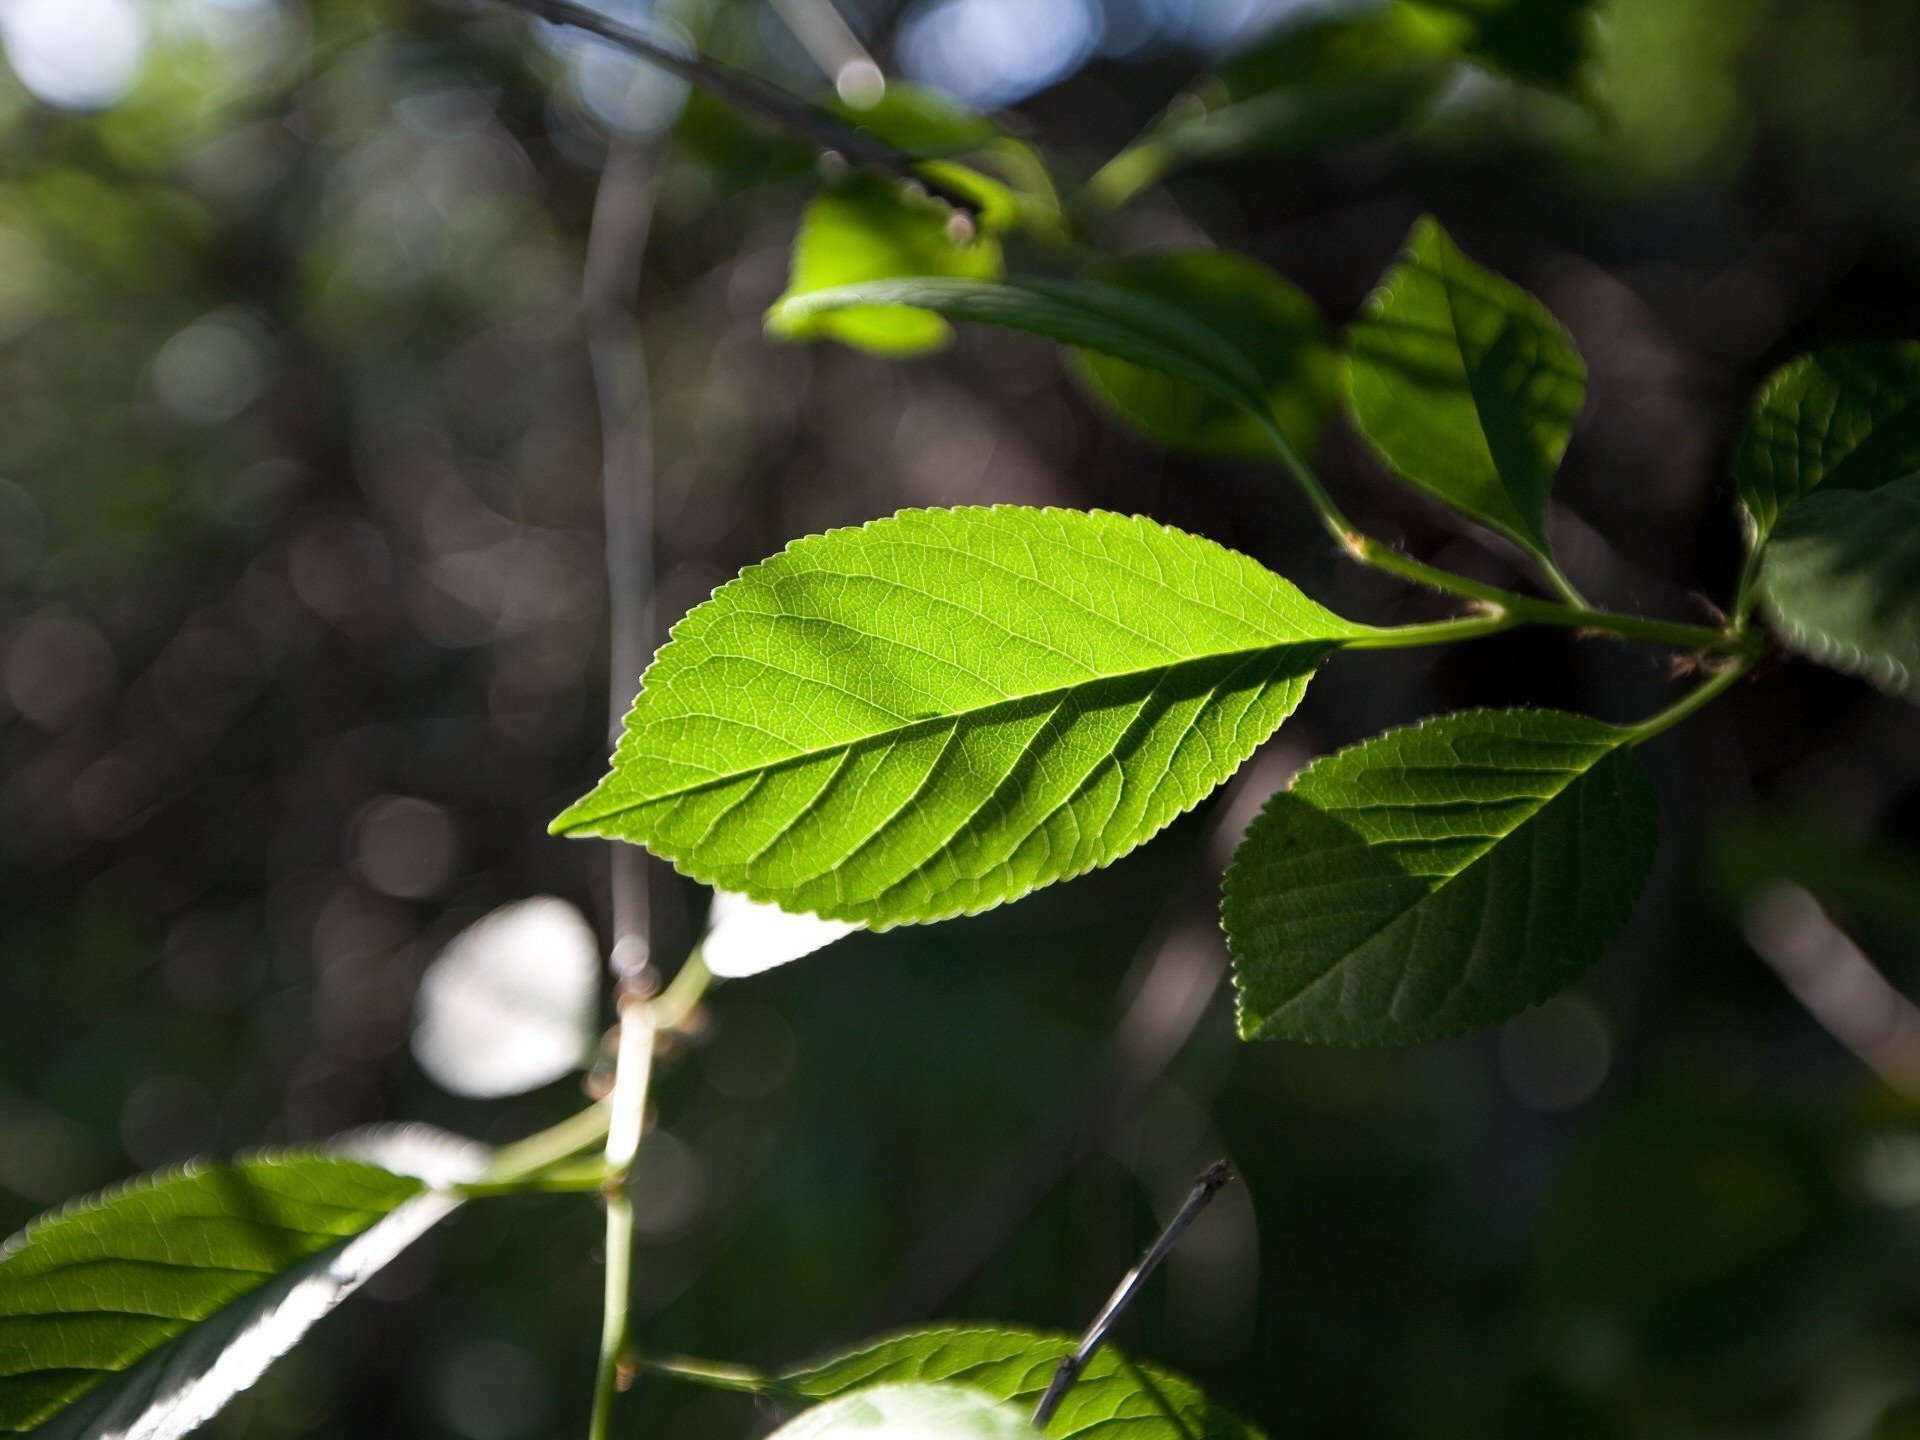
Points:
(1841, 581)
(1846, 418)
(1115, 1398)
(868, 228)
(1437, 878)
(910, 1412)
(1084, 314)
(145, 1309)
(941, 711)
(1466, 386)
(1264, 316)
(1544, 41)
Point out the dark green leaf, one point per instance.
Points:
(145, 1309)
(1276, 327)
(1466, 386)
(1437, 878)
(867, 228)
(1846, 418)
(910, 1412)
(1115, 1399)
(1544, 41)
(1084, 314)
(944, 710)
(1841, 580)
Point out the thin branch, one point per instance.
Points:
(825, 35)
(1212, 1181)
(751, 94)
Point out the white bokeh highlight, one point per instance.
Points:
(745, 937)
(74, 54)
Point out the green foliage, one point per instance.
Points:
(1084, 314)
(203, 1261)
(1841, 576)
(919, 122)
(1437, 878)
(940, 711)
(866, 228)
(1466, 386)
(1115, 1397)
(1543, 41)
(1276, 327)
(1844, 418)
(910, 1412)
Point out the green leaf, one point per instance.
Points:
(1275, 326)
(143, 1310)
(1544, 41)
(916, 121)
(1084, 314)
(1327, 80)
(1116, 1398)
(1466, 386)
(867, 228)
(1846, 418)
(910, 1412)
(1437, 878)
(1841, 581)
(941, 711)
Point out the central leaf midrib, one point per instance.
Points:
(911, 728)
(1493, 843)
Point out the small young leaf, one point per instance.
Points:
(1276, 327)
(941, 711)
(910, 1412)
(1437, 878)
(1114, 1399)
(1084, 314)
(1841, 580)
(865, 228)
(1846, 418)
(1466, 386)
(511, 1003)
(143, 1311)
(1544, 41)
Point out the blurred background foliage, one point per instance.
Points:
(302, 643)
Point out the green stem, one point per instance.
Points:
(627, 1107)
(1558, 582)
(1438, 632)
(1695, 699)
(1746, 593)
(613, 1323)
(1115, 183)
(548, 1148)
(683, 994)
(710, 1373)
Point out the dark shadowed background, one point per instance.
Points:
(302, 643)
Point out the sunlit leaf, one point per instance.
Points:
(1466, 386)
(142, 1311)
(910, 1412)
(1847, 418)
(1276, 327)
(868, 228)
(1437, 878)
(1115, 1398)
(745, 937)
(1085, 314)
(509, 1004)
(944, 710)
(1841, 580)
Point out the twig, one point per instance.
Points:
(825, 35)
(753, 95)
(1212, 1180)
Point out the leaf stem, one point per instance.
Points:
(633, 1069)
(1437, 632)
(683, 994)
(1746, 593)
(539, 1152)
(1695, 699)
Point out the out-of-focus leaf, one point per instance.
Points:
(868, 228)
(745, 937)
(941, 711)
(1115, 1398)
(910, 1412)
(142, 1311)
(1266, 318)
(1466, 386)
(1085, 314)
(509, 1004)
(916, 121)
(1544, 41)
(1437, 878)
(1841, 581)
(1846, 418)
